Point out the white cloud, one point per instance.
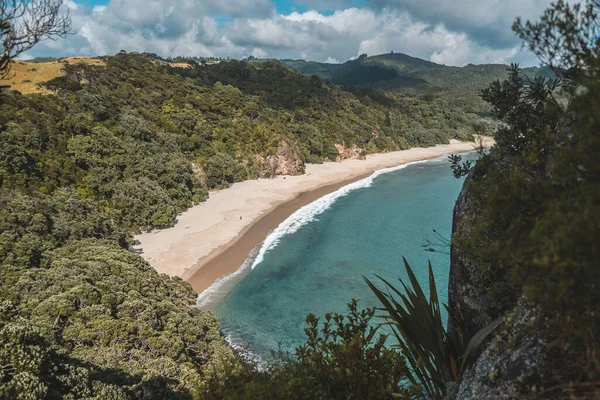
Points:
(71, 5)
(25, 57)
(259, 53)
(348, 33)
(487, 22)
(331, 60)
(325, 4)
(189, 27)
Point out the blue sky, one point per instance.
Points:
(282, 6)
(325, 7)
(452, 32)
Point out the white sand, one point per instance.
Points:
(207, 229)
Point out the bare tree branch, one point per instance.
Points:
(24, 23)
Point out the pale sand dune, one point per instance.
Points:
(194, 248)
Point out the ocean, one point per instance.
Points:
(315, 261)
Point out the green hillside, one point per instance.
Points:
(126, 144)
(94, 150)
(458, 85)
(136, 125)
(437, 76)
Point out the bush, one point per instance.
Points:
(222, 170)
(345, 357)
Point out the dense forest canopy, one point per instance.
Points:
(128, 144)
(149, 138)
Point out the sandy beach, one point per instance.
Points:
(214, 238)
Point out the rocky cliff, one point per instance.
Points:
(351, 153)
(469, 297)
(518, 360)
(285, 161)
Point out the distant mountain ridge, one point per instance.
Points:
(403, 73)
(474, 76)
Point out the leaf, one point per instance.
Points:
(477, 339)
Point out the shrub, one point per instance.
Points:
(222, 170)
(345, 357)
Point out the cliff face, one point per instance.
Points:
(285, 161)
(468, 298)
(350, 153)
(514, 360)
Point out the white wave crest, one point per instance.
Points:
(221, 287)
(242, 348)
(309, 212)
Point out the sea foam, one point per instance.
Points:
(311, 211)
(223, 285)
(293, 223)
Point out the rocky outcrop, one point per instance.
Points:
(513, 364)
(351, 153)
(514, 361)
(285, 161)
(473, 305)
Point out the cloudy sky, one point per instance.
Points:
(451, 32)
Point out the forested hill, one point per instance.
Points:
(433, 76)
(150, 138)
(127, 143)
(403, 73)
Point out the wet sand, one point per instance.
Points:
(232, 256)
(212, 239)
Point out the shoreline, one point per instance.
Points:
(213, 239)
(208, 270)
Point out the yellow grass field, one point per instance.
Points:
(26, 76)
(180, 65)
(186, 65)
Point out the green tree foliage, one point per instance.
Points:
(70, 288)
(357, 117)
(538, 191)
(344, 357)
(459, 86)
(533, 180)
(127, 146)
(107, 309)
(136, 125)
(349, 357)
(222, 170)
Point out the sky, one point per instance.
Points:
(450, 32)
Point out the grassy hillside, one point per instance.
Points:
(28, 77)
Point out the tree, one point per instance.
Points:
(532, 223)
(223, 170)
(344, 357)
(566, 36)
(24, 23)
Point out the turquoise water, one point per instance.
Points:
(315, 262)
